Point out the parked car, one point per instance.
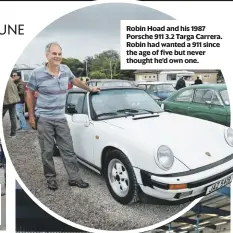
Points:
(160, 89)
(206, 101)
(109, 83)
(123, 134)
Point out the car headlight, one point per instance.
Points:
(229, 136)
(165, 158)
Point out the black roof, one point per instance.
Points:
(76, 89)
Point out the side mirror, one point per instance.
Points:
(162, 106)
(71, 109)
(81, 119)
(208, 102)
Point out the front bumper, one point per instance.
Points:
(157, 186)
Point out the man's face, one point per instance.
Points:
(54, 56)
(15, 76)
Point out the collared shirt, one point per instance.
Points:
(52, 91)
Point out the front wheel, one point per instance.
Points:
(120, 178)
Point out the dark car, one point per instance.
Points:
(160, 90)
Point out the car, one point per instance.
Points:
(162, 90)
(109, 83)
(205, 101)
(141, 150)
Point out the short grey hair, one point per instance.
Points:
(48, 46)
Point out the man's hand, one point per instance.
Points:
(32, 122)
(78, 83)
(94, 89)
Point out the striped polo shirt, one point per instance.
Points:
(52, 91)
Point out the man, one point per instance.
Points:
(198, 81)
(180, 83)
(51, 81)
(11, 97)
(16, 76)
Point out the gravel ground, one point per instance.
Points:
(93, 207)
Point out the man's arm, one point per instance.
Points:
(30, 103)
(78, 83)
(21, 88)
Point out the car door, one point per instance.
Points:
(200, 107)
(218, 110)
(207, 105)
(81, 132)
(181, 103)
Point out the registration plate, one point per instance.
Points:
(219, 184)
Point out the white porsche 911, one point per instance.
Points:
(123, 134)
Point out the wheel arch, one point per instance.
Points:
(110, 148)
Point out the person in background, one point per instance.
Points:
(180, 83)
(3, 165)
(198, 81)
(11, 98)
(16, 76)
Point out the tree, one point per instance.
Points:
(97, 75)
(75, 66)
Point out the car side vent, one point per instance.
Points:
(138, 118)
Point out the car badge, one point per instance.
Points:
(208, 154)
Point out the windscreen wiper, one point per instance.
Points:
(128, 110)
(107, 114)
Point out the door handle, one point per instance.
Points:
(189, 108)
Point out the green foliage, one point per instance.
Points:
(97, 75)
(100, 66)
(75, 65)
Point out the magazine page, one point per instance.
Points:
(116, 116)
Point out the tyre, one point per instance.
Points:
(120, 178)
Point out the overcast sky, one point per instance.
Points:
(87, 31)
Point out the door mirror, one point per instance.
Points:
(71, 109)
(81, 118)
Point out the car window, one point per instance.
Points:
(215, 100)
(142, 86)
(25, 74)
(152, 88)
(76, 102)
(165, 87)
(129, 99)
(185, 96)
(201, 96)
(85, 108)
(225, 97)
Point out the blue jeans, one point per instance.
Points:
(20, 115)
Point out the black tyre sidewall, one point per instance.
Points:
(132, 193)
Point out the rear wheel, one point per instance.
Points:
(120, 178)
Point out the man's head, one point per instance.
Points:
(53, 53)
(15, 76)
(198, 78)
